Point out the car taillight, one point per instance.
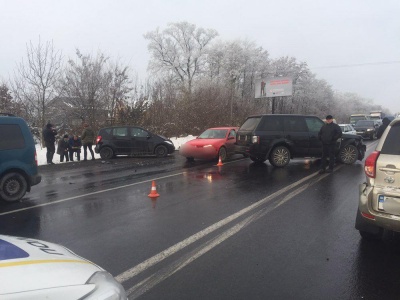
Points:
(255, 139)
(370, 164)
(36, 162)
(98, 139)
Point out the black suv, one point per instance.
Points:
(132, 141)
(282, 137)
(367, 128)
(18, 160)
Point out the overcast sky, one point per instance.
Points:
(326, 34)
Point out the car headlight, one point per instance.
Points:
(369, 129)
(107, 288)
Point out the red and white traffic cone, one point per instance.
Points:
(220, 162)
(153, 191)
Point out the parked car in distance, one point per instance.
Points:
(379, 196)
(35, 269)
(347, 128)
(18, 158)
(279, 138)
(367, 128)
(211, 144)
(131, 141)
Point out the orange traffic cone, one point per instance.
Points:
(153, 191)
(220, 162)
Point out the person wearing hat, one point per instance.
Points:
(49, 137)
(328, 135)
(63, 148)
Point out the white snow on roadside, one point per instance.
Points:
(41, 152)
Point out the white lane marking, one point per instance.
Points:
(190, 240)
(88, 194)
(151, 281)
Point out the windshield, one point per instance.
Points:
(213, 134)
(250, 124)
(365, 123)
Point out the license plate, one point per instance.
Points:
(389, 205)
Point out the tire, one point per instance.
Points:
(222, 153)
(13, 186)
(258, 159)
(348, 154)
(279, 157)
(161, 151)
(106, 153)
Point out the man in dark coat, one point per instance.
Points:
(87, 141)
(49, 137)
(75, 146)
(63, 148)
(381, 129)
(328, 135)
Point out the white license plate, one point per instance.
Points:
(389, 205)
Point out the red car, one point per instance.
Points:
(211, 144)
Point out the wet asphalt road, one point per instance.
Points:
(240, 231)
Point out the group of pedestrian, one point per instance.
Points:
(68, 146)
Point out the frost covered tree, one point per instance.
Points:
(180, 50)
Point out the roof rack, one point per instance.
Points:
(7, 114)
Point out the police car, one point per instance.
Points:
(34, 269)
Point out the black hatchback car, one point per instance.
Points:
(279, 138)
(131, 141)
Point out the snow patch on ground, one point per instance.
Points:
(41, 152)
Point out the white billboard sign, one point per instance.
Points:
(274, 87)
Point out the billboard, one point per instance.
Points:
(273, 87)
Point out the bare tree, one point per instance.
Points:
(85, 85)
(180, 50)
(35, 79)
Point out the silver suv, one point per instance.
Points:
(379, 204)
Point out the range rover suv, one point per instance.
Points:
(279, 138)
(379, 201)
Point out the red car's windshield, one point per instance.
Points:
(213, 134)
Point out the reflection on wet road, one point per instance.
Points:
(240, 231)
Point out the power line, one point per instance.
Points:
(359, 65)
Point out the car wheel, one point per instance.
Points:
(258, 159)
(13, 186)
(348, 154)
(106, 153)
(161, 151)
(279, 157)
(222, 153)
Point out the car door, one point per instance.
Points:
(121, 140)
(314, 125)
(296, 134)
(141, 141)
(230, 141)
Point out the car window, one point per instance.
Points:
(232, 133)
(271, 123)
(392, 141)
(250, 124)
(11, 137)
(106, 133)
(120, 131)
(314, 124)
(294, 124)
(365, 123)
(138, 132)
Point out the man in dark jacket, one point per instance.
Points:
(49, 137)
(381, 129)
(75, 145)
(87, 141)
(328, 135)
